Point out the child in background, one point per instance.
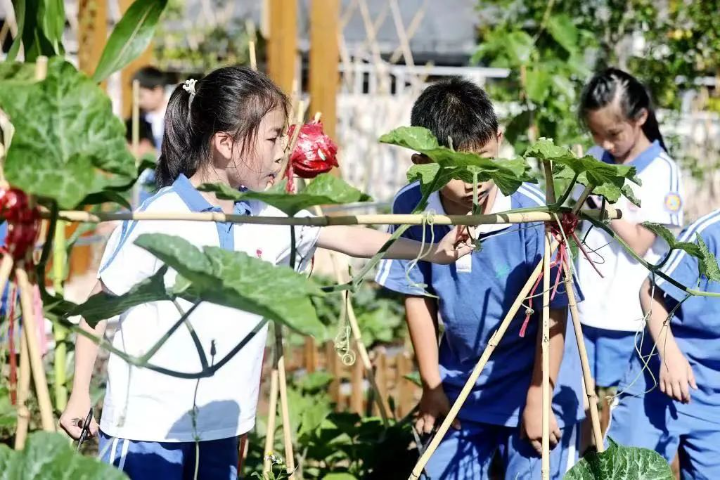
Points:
(227, 128)
(504, 411)
(683, 414)
(619, 114)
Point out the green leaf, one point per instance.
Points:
(607, 180)
(102, 306)
(130, 37)
(237, 280)
(519, 46)
(538, 84)
(707, 263)
(339, 476)
(326, 189)
(49, 456)
(563, 31)
(16, 73)
(67, 143)
(508, 175)
(621, 463)
(39, 30)
(107, 196)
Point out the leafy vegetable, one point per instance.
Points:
(621, 463)
(237, 280)
(707, 263)
(326, 189)
(130, 36)
(49, 456)
(67, 143)
(508, 175)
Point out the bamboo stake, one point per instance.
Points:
(287, 430)
(470, 383)
(23, 393)
(272, 413)
(253, 58)
(5, 269)
(356, 388)
(583, 196)
(38, 370)
(380, 399)
(293, 141)
(136, 119)
(546, 406)
(321, 221)
(588, 382)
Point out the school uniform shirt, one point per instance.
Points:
(141, 404)
(613, 303)
(695, 326)
(473, 297)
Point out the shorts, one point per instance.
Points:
(609, 354)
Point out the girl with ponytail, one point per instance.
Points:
(226, 128)
(617, 110)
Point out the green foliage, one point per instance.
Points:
(40, 28)
(621, 463)
(49, 456)
(326, 189)
(130, 37)
(67, 142)
(707, 263)
(237, 280)
(607, 180)
(508, 175)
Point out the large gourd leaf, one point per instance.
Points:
(130, 37)
(508, 175)
(237, 280)
(49, 456)
(621, 463)
(607, 180)
(326, 189)
(40, 27)
(67, 143)
(707, 263)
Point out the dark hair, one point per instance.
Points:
(144, 130)
(456, 109)
(150, 77)
(230, 99)
(632, 95)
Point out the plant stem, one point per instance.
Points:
(59, 331)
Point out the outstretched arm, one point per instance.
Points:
(366, 242)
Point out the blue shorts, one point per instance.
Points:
(653, 422)
(609, 354)
(466, 454)
(171, 460)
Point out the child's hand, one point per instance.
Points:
(457, 243)
(74, 415)
(676, 375)
(434, 406)
(531, 425)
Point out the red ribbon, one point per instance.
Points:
(23, 222)
(314, 153)
(569, 223)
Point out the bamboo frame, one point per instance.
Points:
(322, 221)
(546, 391)
(470, 383)
(23, 393)
(270, 433)
(6, 266)
(588, 383)
(284, 408)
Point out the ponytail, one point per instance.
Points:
(632, 95)
(230, 99)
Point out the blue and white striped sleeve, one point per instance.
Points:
(662, 194)
(403, 276)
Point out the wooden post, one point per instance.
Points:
(357, 392)
(310, 355)
(332, 368)
(588, 382)
(23, 392)
(92, 33)
(282, 44)
(404, 392)
(475, 374)
(324, 61)
(546, 391)
(381, 377)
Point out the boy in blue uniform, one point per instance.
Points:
(503, 413)
(683, 414)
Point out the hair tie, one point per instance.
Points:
(190, 86)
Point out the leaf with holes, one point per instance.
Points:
(49, 456)
(508, 175)
(621, 463)
(326, 189)
(130, 37)
(67, 143)
(237, 280)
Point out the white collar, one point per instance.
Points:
(502, 203)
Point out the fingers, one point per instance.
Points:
(683, 385)
(428, 424)
(537, 445)
(555, 437)
(456, 424)
(420, 424)
(72, 427)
